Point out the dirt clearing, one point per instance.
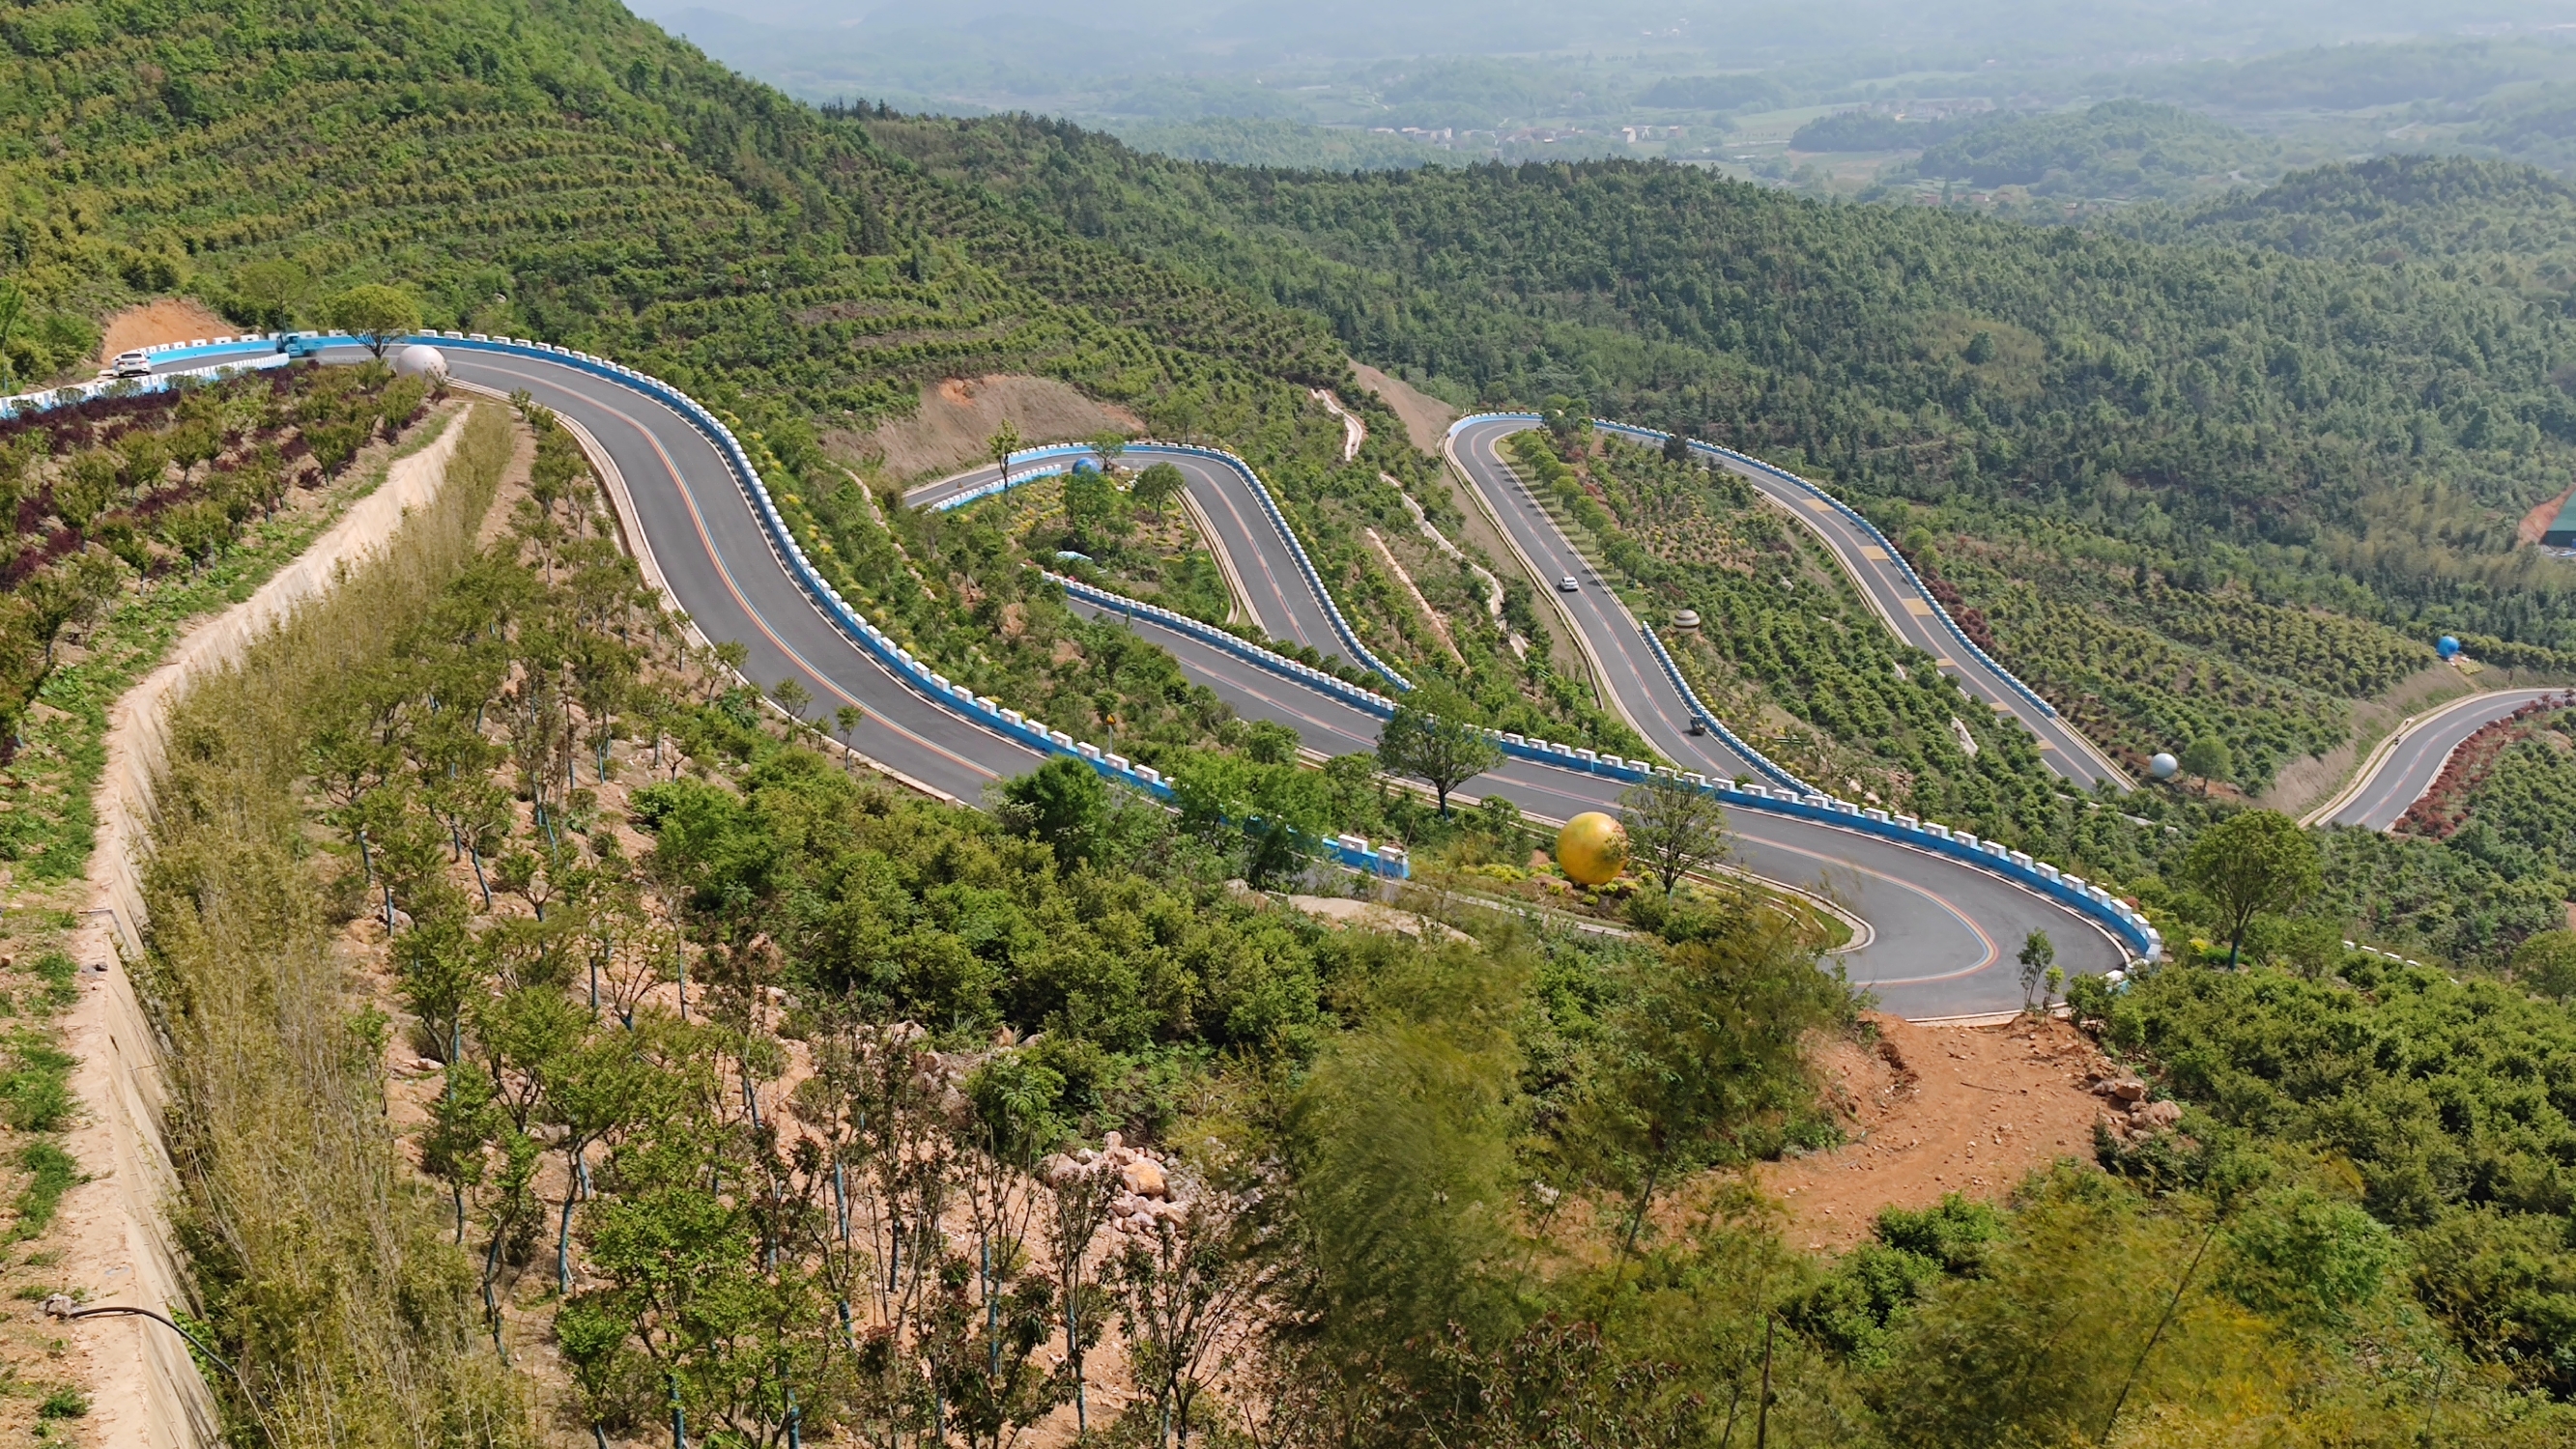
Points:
(958, 415)
(171, 319)
(1940, 1109)
(1426, 418)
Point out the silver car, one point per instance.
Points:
(1567, 585)
(131, 364)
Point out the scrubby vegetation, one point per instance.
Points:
(161, 482)
(561, 1053)
(767, 1098)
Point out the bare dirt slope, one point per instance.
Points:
(1935, 1110)
(957, 415)
(170, 319)
(2537, 521)
(1426, 418)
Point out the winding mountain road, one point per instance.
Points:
(2408, 762)
(1265, 580)
(1900, 602)
(1942, 933)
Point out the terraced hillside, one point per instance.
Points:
(563, 171)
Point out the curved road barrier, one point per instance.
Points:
(1945, 910)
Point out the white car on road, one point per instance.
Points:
(130, 364)
(1567, 585)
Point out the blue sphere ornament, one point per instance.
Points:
(2164, 767)
(2447, 646)
(1085, 465)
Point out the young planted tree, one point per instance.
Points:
(1674, 827)
(1005, 441)
(1081, 1196)
(375, 314)
(1182, 1294)
(2257, 862)
(792, 697)
(846, 721)
(1704, 1053)
(1443, 753)
(1157, 486)
(998, 1309)
(2038, 956)
(2208, 760)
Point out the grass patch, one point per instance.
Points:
(35, 1089)
(51, 1172)
(64, 1404)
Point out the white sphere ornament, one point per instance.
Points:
(2164, 767)
(420, 360)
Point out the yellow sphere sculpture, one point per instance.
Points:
(1591, 848)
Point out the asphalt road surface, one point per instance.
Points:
(1940, 935)
(2378, 799)
(1898, 603)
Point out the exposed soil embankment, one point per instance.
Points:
(1933, 1110)
(171, 319)
(958, 415)
(1426, 418)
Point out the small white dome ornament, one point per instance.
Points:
(2164, 767)
(420, 360)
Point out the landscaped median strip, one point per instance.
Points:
(1047, 458)
(2124, 922)
(1848, 512)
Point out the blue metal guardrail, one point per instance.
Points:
(1797, 801)
(2124, 923)
(1048, 467)
(1939, 611)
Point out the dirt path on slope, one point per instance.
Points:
(1426, 418)
(118, 1246)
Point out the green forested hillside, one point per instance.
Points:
(2481, 219)
(556, 169)
(2121, 148)
(2341, 433)
(1426, 1190)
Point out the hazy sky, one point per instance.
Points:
(1088, 56)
